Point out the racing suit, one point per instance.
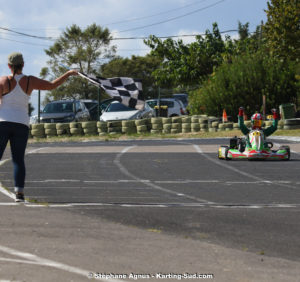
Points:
(267, 131)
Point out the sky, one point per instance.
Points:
(124, 19)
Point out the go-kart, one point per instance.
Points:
(253, 147)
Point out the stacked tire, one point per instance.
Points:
(38, 130)
(76, 129)
(221, 127)
(195, 125)
(50, 130)
(114, 127)
(128, 127)
(141, 126)
(102, 128)
(156, 125)
(89, 127)
(203, 121)
(228, 126)
(236, 125)
(214, 126)
(62, 129)
(176, 125)
(186, 124)
(167, 125)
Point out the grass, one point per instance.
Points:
(108, 137)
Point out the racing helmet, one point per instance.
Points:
(256, 120)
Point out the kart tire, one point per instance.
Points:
(37, 126)
(142, 128)
(186, 120)
(76, 131)
(177, 126)
(128, 123)
(51, 131)
(288, 150)
(157, 120)
(62, 126)
(166, 120)
(102, 125)
(129, 130)
(203, 120)
(219, 153)
(112, 124)
(140, 122)
(50, 126)
(215, 124)
(176, 119)
(186, 126)
(226, 154)
(194, 119)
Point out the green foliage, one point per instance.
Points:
(83, 49)
(243, 83)
(282, 28)
(185, 64)
(136, 67)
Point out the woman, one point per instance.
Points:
(15, 90)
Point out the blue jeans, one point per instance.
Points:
(17, 135)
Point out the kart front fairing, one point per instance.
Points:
(254, 146)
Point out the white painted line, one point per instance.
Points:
(160, 205)
(6, 192)
(117, 162)
(33, 259)
(52, 180)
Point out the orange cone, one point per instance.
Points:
(224, 118)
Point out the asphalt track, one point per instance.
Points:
(173, 191)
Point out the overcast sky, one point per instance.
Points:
(124, 18)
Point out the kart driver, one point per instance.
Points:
(256, 121)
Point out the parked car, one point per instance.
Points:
(183, 97)
(105, 103)
(175, 106)
(117, 111)
(67, 111)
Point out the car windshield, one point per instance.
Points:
(153, 103)
(118, 107)
(64, 107)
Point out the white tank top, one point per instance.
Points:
(14, 105)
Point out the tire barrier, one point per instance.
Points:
(63, 129)
(101, 128)
(157, 125)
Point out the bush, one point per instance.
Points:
(243, 83)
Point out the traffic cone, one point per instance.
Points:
(224, 117)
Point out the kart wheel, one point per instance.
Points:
(220, 157)
(226, 154)
(288, 150)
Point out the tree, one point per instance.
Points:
(186, 64)
(136, 67)
(282, 28)
(83, 49)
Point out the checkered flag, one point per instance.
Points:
(126, 90)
